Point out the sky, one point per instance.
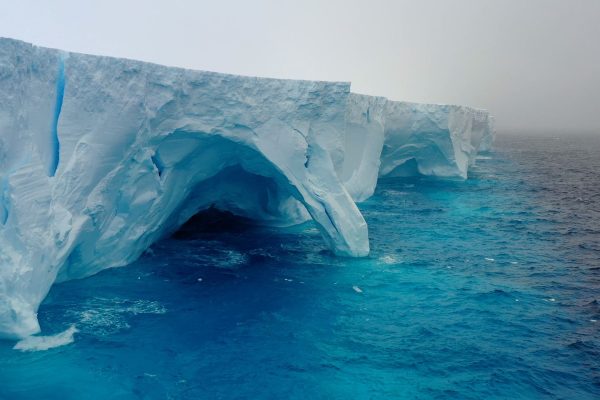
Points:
(534, 64)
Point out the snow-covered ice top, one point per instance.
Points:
(101, 157)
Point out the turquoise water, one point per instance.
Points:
(487, 288)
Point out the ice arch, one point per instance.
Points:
(100, 157)
(188, 172)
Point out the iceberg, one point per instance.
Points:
(101, 157)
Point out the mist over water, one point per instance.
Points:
(487, 288)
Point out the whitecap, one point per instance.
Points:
(41, 343)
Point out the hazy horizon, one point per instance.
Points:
(533, 65)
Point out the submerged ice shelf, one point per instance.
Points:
(101, 157)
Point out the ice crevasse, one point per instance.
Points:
(101, 157)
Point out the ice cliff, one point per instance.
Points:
(101, 157)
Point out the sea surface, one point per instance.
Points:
(482, 289)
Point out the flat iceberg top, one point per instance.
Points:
(101, 157)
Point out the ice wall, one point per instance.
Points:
(101, 157)
(395, 138)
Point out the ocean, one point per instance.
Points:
(487, 288)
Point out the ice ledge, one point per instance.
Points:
(100, 157)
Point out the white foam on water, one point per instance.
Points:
(489, 259)
(389, 259)
(105, 316)
(357, 289)
(41, 343)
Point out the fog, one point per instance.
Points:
(534, 64)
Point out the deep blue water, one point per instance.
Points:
(488, 288)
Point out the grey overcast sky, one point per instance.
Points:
(535, 64)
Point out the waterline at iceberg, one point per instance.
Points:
(101, 157)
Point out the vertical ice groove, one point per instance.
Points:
(60, 93)
(4, 206)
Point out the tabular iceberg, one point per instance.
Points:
(101, 157)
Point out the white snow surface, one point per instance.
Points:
(101, 157)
